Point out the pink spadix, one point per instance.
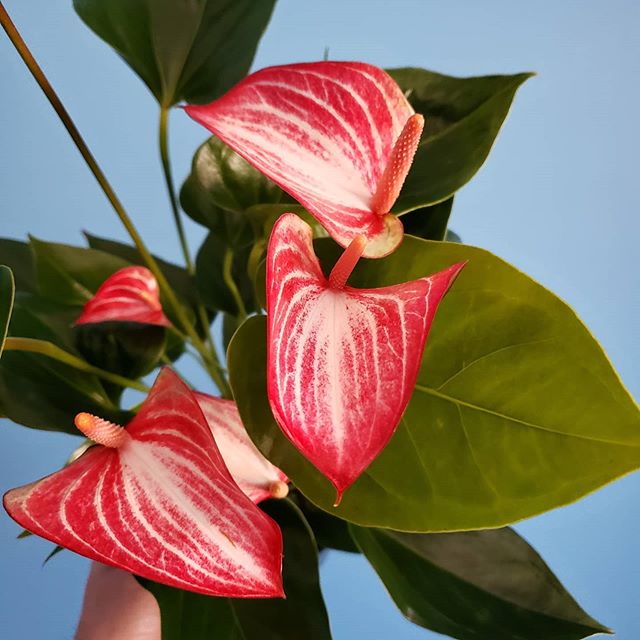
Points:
(156, 499)
(253, 473)
(338, 136)
(129, 295)
(342, 362)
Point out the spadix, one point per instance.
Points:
(129, 295)
(253, 473)
(156, 499)
(338, 136)
(342, 362)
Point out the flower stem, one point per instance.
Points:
(50, 350)
(69, 125)
(227, 275)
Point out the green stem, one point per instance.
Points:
(227, 276)
(163, 137)
(69, 125)
(54, 352)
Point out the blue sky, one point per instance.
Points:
(557, 197)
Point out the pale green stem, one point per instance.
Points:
(227, 276)
(54, 352)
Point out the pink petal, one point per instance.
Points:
(129, 295)
(342, 362)
(162, 505)
(325, 132)
(253, 473)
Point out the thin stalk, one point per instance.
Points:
(69, 125)
(227, 276)
(50, 350)
(163, 138)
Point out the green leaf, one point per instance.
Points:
(42, 393)
(516, 410)
(429, 223)
(71, 275)
(17, 255)
(462, 119)
(222, 180)
(191, 51)
(7, 293)
(301, 615)
(475, 585)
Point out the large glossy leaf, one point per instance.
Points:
(516, 410)
(301, 615)
(17, 255)
(429, 223)
(71, 275)
(191, 51)
(7, 292)
(462, 119)
(474, 585)
(42, 393)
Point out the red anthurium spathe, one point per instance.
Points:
(253, 473)
(338, 136)
(129, 295)
(342, 362)
(156, 499)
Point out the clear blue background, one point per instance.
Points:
(558, 197)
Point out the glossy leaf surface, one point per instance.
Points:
(429, 223)
(130, 294)
(325, 132)
(160, 504)
(516, 411)
(182, 50)
(342, 362)
(462, 119)
(18, 257)
(7, 291)
(252, 472)
(474, 585)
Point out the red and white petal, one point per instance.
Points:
(253, 473)
(324, 132)
(162, 505)
(342, 362)
(129, 295)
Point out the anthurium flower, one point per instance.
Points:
(342, 362)
(253, 473)
(156, 499)
(129, 295)
(338, 136)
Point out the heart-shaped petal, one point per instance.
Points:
(253, 473)
(129, 295)
(338, 136)
(342, 362)
(157, 500)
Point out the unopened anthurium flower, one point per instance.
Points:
(156, 499)
(338, 136)
(342, 362)
(130, 294)
(254, 474)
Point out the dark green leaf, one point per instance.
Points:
(429, 223)
(516, 410)
(452, 236)
(210, 268)
(301, 615)
(191, 51)
(475, 585)
(42, 393)
(221, 180)
(462, 119)
(229, 325)
(7, 292)
(17, 255)
(56, 550)
(71, 275)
